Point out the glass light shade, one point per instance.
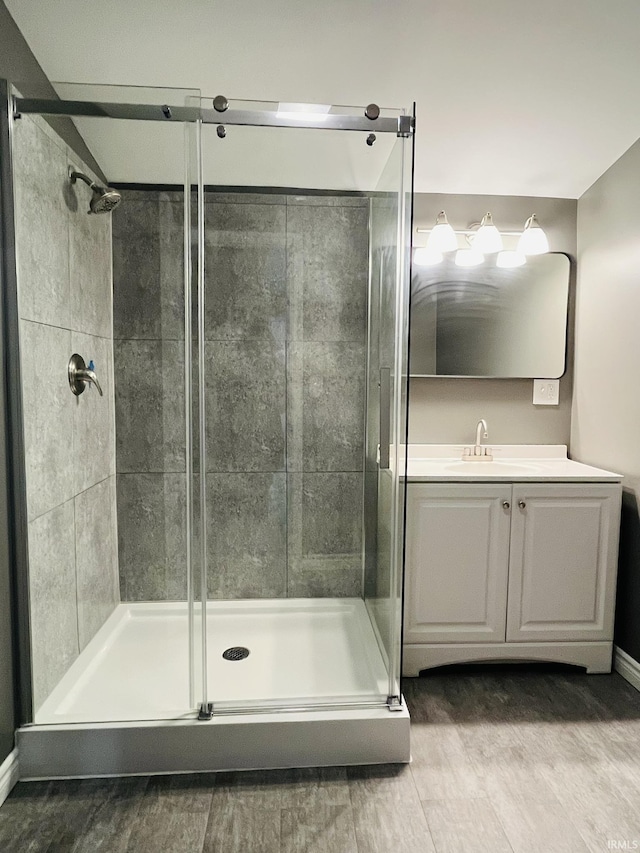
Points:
(510, 259)
(469, 258)
(424, 257)
(487, 238)
(443, 237)
(533, 240)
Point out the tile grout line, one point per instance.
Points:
(73, 445)
(500, 823)
(75, 572)
(280, 342)
(209, 817)
(73, 497)
(288, 472)
(286, 418)
(72, 331)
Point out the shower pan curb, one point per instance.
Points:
(247, 742)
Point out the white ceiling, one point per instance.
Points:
(514, 97)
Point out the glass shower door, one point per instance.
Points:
(302, 299)
(110, 594)
(387, 404)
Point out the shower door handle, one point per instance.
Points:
(385, 416)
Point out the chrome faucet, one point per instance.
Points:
(479, 452)
(482, 431)
(80, 375)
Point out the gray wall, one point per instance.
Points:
(64, 286)
(285, 361)
(7, 709)
(447, 410)
(606, 409)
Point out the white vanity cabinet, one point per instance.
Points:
(457, 566)
(510, 571)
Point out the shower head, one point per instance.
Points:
(103, 200)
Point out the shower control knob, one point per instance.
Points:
(372, 112)
(80, 375)
(220, 104)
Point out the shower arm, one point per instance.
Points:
(73, 177)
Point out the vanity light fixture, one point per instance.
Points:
(469, 258)
(425, 257)
(509, 259)
(442, 237)
(487, 238)
(484, 239)
(533, 240)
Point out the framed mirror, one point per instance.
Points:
(486, 321)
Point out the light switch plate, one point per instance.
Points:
(546, 392)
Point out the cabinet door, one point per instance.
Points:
(457, 562)
(564, 545)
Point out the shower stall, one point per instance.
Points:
(207, 361)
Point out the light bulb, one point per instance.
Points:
(443, 237)
(424, 257)
(533, 240)
(469, 258)
(487, 239)
(510, 259)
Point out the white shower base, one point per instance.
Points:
(302, 651)
(123, 707)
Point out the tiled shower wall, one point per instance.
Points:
(286, 304)
(65, 304)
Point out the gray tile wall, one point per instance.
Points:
(327, 267)
(65, 303)
(148, 322)
(286, 303)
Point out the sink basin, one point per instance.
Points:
(495, 468)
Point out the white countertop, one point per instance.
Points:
(511, 462)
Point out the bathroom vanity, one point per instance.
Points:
(509, 558)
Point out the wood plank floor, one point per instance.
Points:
(518, 762)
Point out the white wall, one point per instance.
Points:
(513, 96)
(447, 410)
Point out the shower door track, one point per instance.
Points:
(400, 125)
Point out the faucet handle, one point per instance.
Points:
(79, 375)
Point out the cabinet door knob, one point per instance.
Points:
(522, 504)
(506, 504)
